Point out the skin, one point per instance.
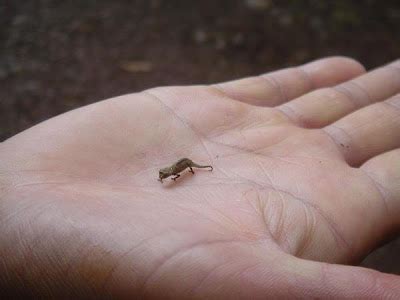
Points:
(305, 184)
(178, 167)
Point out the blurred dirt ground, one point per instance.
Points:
(59, 55)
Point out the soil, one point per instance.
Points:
(58, 55)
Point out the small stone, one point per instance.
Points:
(220, 43)
(258, 4)
(238, 39)
(200, 36)
(134, 66)
(286, 20)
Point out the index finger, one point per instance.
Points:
(278, 87)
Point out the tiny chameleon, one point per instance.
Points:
(178, 167)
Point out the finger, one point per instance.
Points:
(322, 280)
(368, 132)
(280, 86)
(324, 106)
(384, 173)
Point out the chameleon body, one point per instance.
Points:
(178, 167)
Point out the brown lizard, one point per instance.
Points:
(178, 167)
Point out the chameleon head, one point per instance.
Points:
(163, 173)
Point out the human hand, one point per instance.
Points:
(305, 178)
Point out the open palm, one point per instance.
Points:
(303, 179)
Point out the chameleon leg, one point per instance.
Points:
(191, 170)
(176, 176)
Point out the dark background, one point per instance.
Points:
(59, 55)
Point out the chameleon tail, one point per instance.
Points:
(202, 167)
